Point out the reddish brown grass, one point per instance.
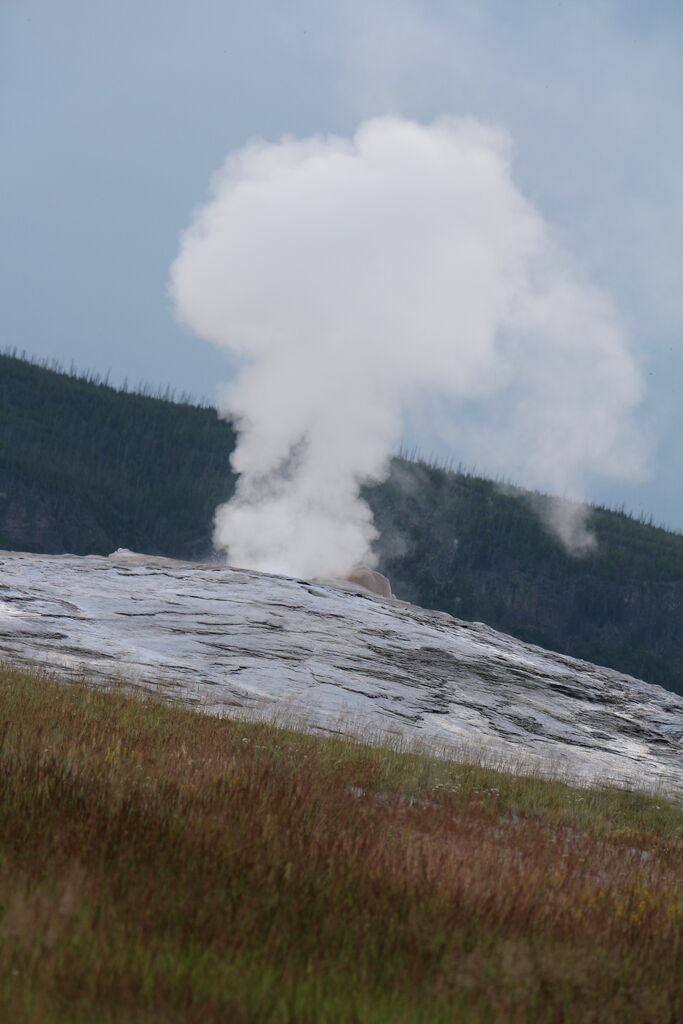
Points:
(156, 864)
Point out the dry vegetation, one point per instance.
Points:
(160, 865)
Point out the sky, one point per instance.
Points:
(114, 117)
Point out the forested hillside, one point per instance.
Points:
(462, 544)
(86, 468)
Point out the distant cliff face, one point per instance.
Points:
(85, 469)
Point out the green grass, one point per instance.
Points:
(157, 864)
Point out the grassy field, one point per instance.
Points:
(157, 864)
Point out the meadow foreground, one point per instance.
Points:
(157, 864)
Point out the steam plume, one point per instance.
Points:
(361, 278)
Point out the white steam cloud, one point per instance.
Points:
(363, 278)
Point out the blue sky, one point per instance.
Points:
(115, 116)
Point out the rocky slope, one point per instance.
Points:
(233, 641)
(86, 468)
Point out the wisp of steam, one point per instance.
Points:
(357, 279)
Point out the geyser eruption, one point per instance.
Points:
(361, 278)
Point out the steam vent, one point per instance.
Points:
(371, 580)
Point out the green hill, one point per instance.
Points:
(464, 545)
(87, 468)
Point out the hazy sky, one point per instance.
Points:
(115, 116)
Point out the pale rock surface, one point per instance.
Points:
(237, 642)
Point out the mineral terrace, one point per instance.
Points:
(338, 658)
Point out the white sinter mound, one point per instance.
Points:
(227, 639)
